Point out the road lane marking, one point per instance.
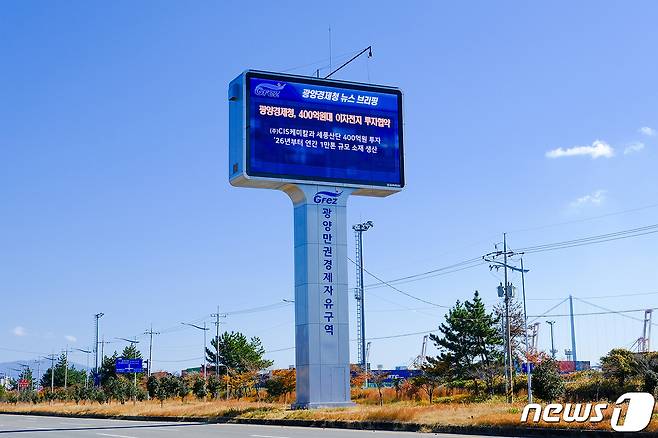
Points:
(115, 436)
(268, 436)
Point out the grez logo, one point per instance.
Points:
(269, 90)
(638, 414)
(329, 198)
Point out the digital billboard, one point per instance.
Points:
(287, 128)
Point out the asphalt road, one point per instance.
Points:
(25, 426)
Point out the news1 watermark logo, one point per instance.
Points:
(637, 418)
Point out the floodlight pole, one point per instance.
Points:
(361, 317)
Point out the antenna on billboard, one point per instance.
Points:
(367, 49)
(330, 66)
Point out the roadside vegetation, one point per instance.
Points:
(462, 385)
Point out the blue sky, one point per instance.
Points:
(113, 166)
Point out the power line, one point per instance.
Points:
(619, 312)
(548, 311)
(476, 261)
(181, 360)
(624, 234)
(259, 308)
(607, 312)
(541, 227)
(401, 291)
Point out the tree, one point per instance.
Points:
(214, 385)
(357, 376)
(130, 351)
(517, 326)
(183, 389)
(243, 383)
(199, 387)
(73, 377)
(469, 345)
(378, 378)
(161, 392)
(152, 386)
(170, 384)
(237, 353)
(280, 384)
(648, 371)
(547, 383)
(108, 368)
(397, 385)
(619, 364)
(434, 374)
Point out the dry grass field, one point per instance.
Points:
(494, 413)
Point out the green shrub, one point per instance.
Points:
(547, 382)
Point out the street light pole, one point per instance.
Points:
(205, 329)
(97, 316)
(525, 326)
(227, 378)
(87, 374)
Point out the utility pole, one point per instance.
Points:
(553, 350)
(506, 291)
(359, 292)
(510, 388)
(150, 333)
(217, 323)
(205, 329)
(573, 333)
(103, 342)
(66, 366)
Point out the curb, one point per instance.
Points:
(509, 431)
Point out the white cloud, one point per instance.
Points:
(71, 338)
(633, 147)
(597, 149)
(595, 198)
(645, 130)
(19, 331)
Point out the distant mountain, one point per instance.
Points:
(40, 367)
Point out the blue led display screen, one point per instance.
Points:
(320, 130)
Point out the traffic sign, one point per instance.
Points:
(123, 366)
